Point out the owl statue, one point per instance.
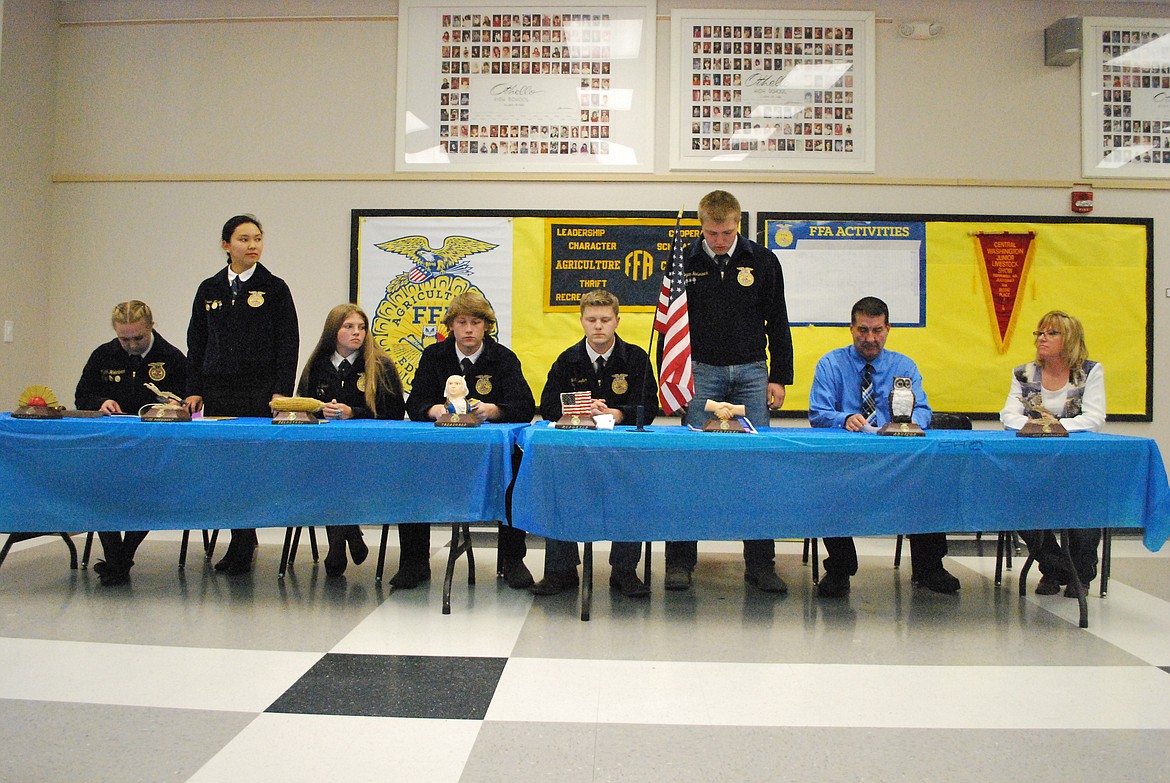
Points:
(902, 400)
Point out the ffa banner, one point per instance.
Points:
(410, 268)
(626, 257)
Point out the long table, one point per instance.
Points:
(117, 473)
(675, 484)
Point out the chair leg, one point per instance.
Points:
(804, 552)
(209, 543)
(816, 562)
(87, 550)
(183, 549)
(898, 552)
(286, 553)
(382, 553)
(1024, 575)
(646, 562)
(72, 550)
(313, 543)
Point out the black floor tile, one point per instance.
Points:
(395, 686)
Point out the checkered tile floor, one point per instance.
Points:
(190, 675)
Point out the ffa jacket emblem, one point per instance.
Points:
(620, 385)
(255, 298)
(745, 277)
(156, 371)
(483, 385)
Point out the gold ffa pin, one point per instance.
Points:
(620, 383)
(483, 385)
(255, 298)
(745, 277)
(156, 371)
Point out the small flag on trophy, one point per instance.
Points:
(576, 403)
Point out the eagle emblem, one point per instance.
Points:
(428, 262)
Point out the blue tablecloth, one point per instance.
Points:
(118, 473)
(676, 484)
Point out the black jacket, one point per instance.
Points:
(626, 381)
(255, 340)
(112, 374)
(496, 378)
(733, 318)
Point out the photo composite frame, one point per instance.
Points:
(772, 90)
(555, 87)
(1125, 97)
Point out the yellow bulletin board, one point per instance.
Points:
(1099, 270)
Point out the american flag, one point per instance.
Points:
(675, 384)
(577, 403)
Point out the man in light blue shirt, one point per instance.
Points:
(851, 390)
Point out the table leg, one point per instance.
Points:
(587, 581)
(288, 535)
(460, 543)
(382, 553)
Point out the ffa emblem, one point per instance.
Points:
(783, 236)
(255, 298)
(483, 384)
(156, 371)
(361, 382)
(454, 417)
(435, 277)
(575, 420)
(620, 385)
(745, 278)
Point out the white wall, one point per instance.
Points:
(165, 130)
(26, 226)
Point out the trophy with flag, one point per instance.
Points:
(576, 407)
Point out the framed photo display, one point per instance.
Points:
(772, 90)
(1125, 97)
(555, 87)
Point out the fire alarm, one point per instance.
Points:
(1082, 199)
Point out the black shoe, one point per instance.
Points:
(410, 577)
(766, 580)
(112, 576)
(554, 582)
(101, 568)
(1048, 585)
(833, 585)
(626, 580)
(939, 580)
(1070, 590)
(517, 575)
(357, 547)
(335, 561)
(678, 579)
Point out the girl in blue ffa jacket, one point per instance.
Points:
(356, 380)
(242, 347)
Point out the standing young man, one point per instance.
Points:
(738, 317)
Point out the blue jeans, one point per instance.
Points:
(739, 384)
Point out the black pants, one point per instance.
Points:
(758, 554)
(119, 549)
(1044, 546)
(415, 541)
(926, 553)
(235, 396)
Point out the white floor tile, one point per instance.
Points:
(485, 619)
(961, 697)
(148, 676)
(330, 748)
